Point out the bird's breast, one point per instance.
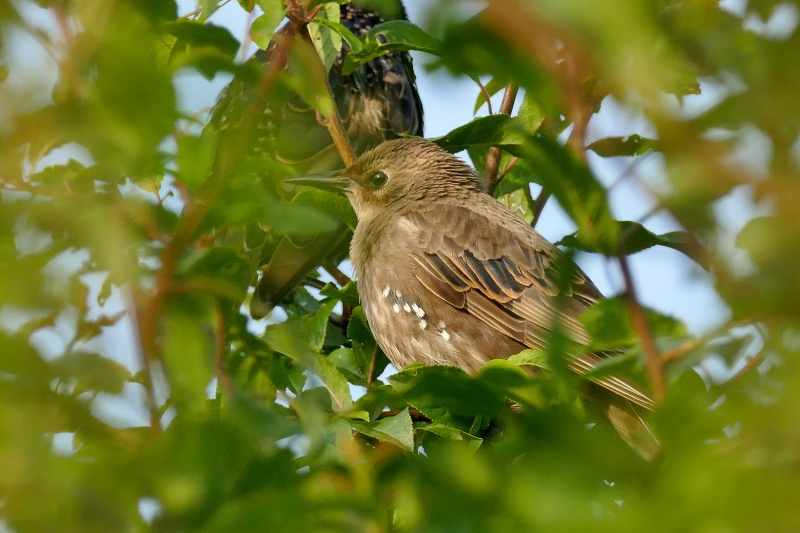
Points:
(413, 326)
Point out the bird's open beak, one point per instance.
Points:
(331, 181)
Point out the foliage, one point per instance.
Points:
(109, 193)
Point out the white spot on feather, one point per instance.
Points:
(423, 324)
(386, 291)
(396, 308)
(445, 335)
(406, 307)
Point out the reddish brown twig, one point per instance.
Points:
(485, 93)
(149, 307)
(655, 365)
(495, 153)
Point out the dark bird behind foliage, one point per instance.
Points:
(448, 275)
(377, 102)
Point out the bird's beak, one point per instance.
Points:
(331, 181)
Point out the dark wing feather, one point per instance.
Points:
(500, 271)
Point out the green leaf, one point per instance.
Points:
(308, 77)
(203, 35)
(187, 354)
(347, 294)
(396, 429)
(195, 157)
(493, 87)
(634, 238)
(441, 392)
(519, 202)
(264, 25)
(311, 328)
(327, 41)
(262, 417)
(219, 270)
(498, 130)
(297, 218)
(609, 325)
(629, 146)
(328, 202)
(530, 112)
(535, 358)
(92, 372)
(391, 36)
(365, 347)
(352, 41)
(300, 339)
(348, 364)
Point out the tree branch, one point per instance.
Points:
(148, 309)
(493, 159)
(332, 120)
(655, 365)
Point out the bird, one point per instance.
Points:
(447, 275)
(377, 102)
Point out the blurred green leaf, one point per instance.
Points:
(388, 37)
(632, 145)
(609, 325)
(347, 294)
(396, 429)
(92, 372)
(634, 238)
(187, 352)
(308, 77)
(265, 24)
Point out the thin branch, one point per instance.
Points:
(655, 365)
(752, 363)
(223, 376)
(486, 94)
(314, 283)
(341, 278)
(148, 309)
(199, 10)
(493, 159)
(372, 365)
(538, 207)
(508, 168)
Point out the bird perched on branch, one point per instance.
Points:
(448, 275)
(377, 102)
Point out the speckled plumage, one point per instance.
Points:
(448, 275)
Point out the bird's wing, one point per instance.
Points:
(504, 273)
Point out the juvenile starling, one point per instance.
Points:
(377, 102)
(448, 275)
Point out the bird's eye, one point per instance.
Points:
(377, 179)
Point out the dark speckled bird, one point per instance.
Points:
(448, 275)
(377, 102)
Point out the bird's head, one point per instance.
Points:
(399, 173)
